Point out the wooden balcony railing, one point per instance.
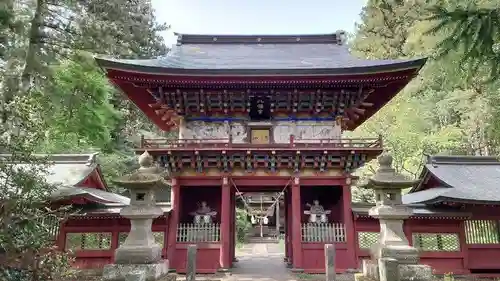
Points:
(345, 143)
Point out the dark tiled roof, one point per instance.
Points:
(64, 170)
(418, 210)
(312, 54)
(113, 209)
(94, 195)
(474, 179)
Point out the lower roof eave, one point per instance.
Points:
(117, 65)
(447, 199)
(457, 216)
(91, 216)
(420, 211)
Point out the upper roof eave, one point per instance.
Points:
(129, 66)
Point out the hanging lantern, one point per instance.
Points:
(266, 220)
(260, 106)
(252, 220)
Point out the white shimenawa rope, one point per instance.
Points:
(250, 210)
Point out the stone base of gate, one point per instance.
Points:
(391, 270)
(139, 272)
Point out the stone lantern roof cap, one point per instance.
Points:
(148, 174)
(386, 177)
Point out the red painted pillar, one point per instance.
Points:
(349, 226)
(296, 225)
(463, 246)
(225, 225)
(285, 210)
(115, 236)
(289, 233)
(175, 199)
(233, 227)
(61, 236)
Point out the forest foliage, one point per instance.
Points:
(53, 98)
(452, 107)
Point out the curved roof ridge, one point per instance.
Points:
(332, 38)
(462, 160)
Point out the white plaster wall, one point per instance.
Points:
(304, 131)
(201, 130)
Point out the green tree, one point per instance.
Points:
(27, 219)
(79, 113)
(443, 111)
(472, 29)
(54, 99)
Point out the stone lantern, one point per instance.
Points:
(389, 209)
(393, 258)
(140, 255)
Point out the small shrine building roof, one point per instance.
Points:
(73, 175)
(460, 179)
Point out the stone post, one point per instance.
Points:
(191, 263)
(140, 254)
(393, 252)
(330, 274)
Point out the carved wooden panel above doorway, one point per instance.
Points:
(260, 136)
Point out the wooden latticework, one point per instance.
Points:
(323, 232)
(436, 242)
(250, 160)
(158, 236)
(52, 224)
(482, 232)
(88, 241)
(367, 239)
(237, 101)
(190, 232)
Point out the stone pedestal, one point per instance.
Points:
(138, 272)
(391, 270)
(393, 243)
(140, 246)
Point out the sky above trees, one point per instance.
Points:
(257, 16)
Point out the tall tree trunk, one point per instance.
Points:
(34, 46)
(21, 85)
